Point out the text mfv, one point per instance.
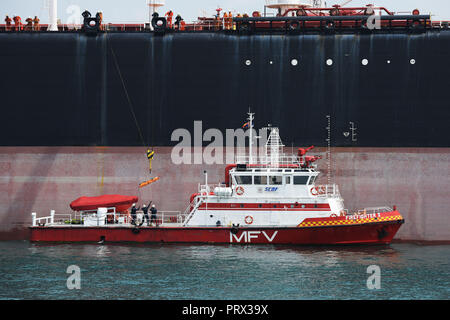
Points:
(247, 236)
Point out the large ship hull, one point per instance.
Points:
(75, 96)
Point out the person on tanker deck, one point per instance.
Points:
(145, 210)
(177, 22)
(36, 23)
(29, 25)
(99, 16)
(169, 15)
(225, 20)
(230, 20)
(153, 217)
(133, 213)
(18, 23)
(8, 21)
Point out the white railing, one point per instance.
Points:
(367, 211)
(167, 217)
(325, 191)
(205, 189)
(43, 220)
(76, 218)
(162, 218)
(66, 218)
(373, 210)
(267, 160)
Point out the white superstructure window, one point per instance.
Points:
(243, 179)
(300, 179)
(275, 179)
(260, 179)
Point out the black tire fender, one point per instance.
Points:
(159, 23)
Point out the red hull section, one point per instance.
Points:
(370, 233)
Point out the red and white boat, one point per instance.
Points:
(266, 199)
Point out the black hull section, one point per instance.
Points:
(64, 89)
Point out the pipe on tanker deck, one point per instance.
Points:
(328, 18)
(53, 13)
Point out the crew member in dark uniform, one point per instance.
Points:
(145, 210)
(36, 23)
(99, 17)
(153, 217)
(133, 213)
(177, 22)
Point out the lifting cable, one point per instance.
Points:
(150, 153)
(130, 105)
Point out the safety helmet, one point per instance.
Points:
(143, 206)
(153, 206)
(134, 204)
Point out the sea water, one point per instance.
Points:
(174, 271)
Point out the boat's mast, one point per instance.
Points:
(328, 140)
(250, 119)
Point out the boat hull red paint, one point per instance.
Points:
(370, 233)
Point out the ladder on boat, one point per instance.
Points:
(190, 213)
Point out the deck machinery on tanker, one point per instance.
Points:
(291, 16)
